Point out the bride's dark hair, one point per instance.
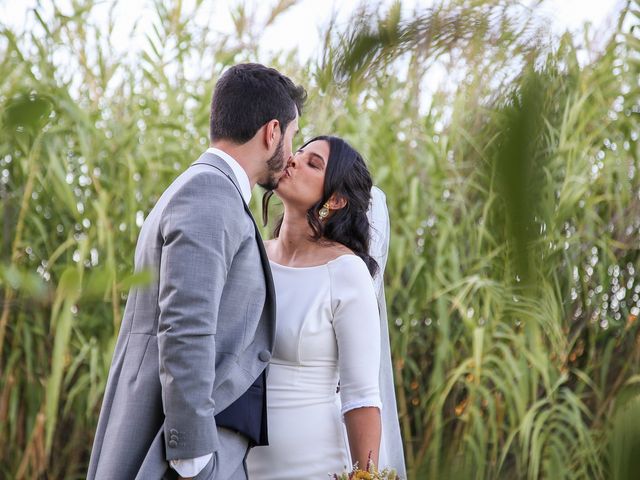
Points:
(348, 177)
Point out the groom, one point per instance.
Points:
(186, 390)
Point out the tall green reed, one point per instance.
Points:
(511, 280)
(508, 338)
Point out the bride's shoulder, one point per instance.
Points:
(334, 250)
(348, 272)
(342, 259)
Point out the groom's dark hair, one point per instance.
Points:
(249, 95)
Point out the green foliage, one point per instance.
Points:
(512, 281)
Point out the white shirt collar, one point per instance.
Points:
(238, 171)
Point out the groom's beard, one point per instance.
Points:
(275, 166)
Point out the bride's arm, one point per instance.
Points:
(364, 430)
(356, 323)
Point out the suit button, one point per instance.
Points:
(264, 356)
(173, 431)
(174, 438)
(173, 443)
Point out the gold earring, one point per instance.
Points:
(324, 211)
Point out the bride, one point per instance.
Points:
(330, 395)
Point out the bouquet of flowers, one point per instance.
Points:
(370, 473)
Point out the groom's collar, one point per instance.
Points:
(238, 172)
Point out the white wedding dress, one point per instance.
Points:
(328, 328)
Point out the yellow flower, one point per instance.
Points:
(363, 475)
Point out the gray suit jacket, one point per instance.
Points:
(195, 338)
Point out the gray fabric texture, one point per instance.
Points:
(191, 341)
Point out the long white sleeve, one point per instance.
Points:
(356, 323)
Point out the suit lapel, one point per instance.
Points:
(219, 164)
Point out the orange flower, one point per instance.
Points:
(363, 475)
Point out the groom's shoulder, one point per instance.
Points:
(203, 183)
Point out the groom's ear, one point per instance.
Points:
(271, 133)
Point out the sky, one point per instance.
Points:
(564, 15)
(301, 24)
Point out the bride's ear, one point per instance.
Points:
(336, 202)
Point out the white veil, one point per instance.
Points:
(391, 449)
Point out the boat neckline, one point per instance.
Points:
(312, 266)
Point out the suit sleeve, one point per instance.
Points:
(201, 234)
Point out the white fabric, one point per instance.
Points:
(379, 232)
(327, 329)
(391, 448)
(238, 171)
(192, 466)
